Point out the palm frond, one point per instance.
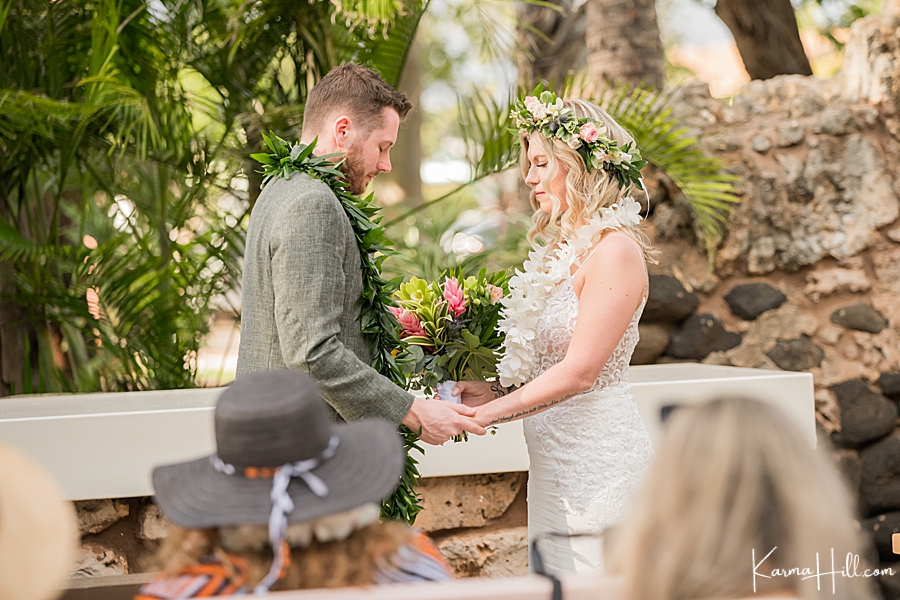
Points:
(386, 54)
(667, 145)
(490, 140)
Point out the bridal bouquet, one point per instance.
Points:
(448, 329)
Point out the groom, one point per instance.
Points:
(302, 274)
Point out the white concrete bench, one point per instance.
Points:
(106, 445)
(581, 587)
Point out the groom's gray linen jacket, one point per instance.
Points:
(300, 302)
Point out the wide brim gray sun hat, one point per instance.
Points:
(267, 420)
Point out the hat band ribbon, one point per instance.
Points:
(282, 505)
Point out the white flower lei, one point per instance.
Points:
(543, 271)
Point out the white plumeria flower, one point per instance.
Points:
(629, 212)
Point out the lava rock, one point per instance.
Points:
(790, 133)
(866, 415)
(654, 339)
(850, 468)
(880, 529)
(152, 524)
(879, 490)
(95, 516)
(753, 299)
(835, 121)
(890, 584)
(761, 144)
(668, 301)
(796, 355)
(890, 385)
(700, 335)
(93, 560)
(859, 316)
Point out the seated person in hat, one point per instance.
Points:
(289, 501)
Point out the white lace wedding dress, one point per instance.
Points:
(589, 453)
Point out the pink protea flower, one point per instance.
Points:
(589, 133)
(496, 293)
(455, 296)
(408, 321)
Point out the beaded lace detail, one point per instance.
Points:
(597, 439)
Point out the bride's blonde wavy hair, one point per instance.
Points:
(586, 192)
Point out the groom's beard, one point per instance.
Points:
(354, 171)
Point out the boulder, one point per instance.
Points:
(466, 500)
(93, 560)
(700, 335)
(654, 339)
(790, 133)
(152, 525)
(850, 468)
(860, 317)
(95, 516)
(801, 354)
(890, 385)
(502, 553)
(835, 121)
(761, 144)
(890, 584)
(880, 528)
(824, 282)
(668, 301)
(753, 299)
(880, 481)
(866, 415)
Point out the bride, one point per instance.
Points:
(571, 324)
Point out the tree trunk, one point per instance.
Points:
(551, 42)
(622, 38)
(766, 35)
(407, 153)
(12, 342)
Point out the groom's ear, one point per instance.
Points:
(342, 128)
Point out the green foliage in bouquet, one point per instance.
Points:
(449, 327)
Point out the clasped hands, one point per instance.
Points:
(439, 421)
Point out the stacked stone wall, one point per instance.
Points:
(808, 276)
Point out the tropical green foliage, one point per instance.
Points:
(125, 133)
(488, 129)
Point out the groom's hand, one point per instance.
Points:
(440, 421)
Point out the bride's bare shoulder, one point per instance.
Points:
(616, 248)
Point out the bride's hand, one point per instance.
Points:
(476, 393)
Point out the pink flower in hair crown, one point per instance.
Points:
(455, 296)
(408, 321)
(589, 132)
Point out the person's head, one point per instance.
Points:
(565, 191)
(354, 111)
(282, 470)
(731, 479)
(38, 533)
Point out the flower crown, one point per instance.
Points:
(544, 112)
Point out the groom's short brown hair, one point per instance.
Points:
(359, 91)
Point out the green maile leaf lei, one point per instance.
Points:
(377, 323)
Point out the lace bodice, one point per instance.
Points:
(556, 326)
(595, 443)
